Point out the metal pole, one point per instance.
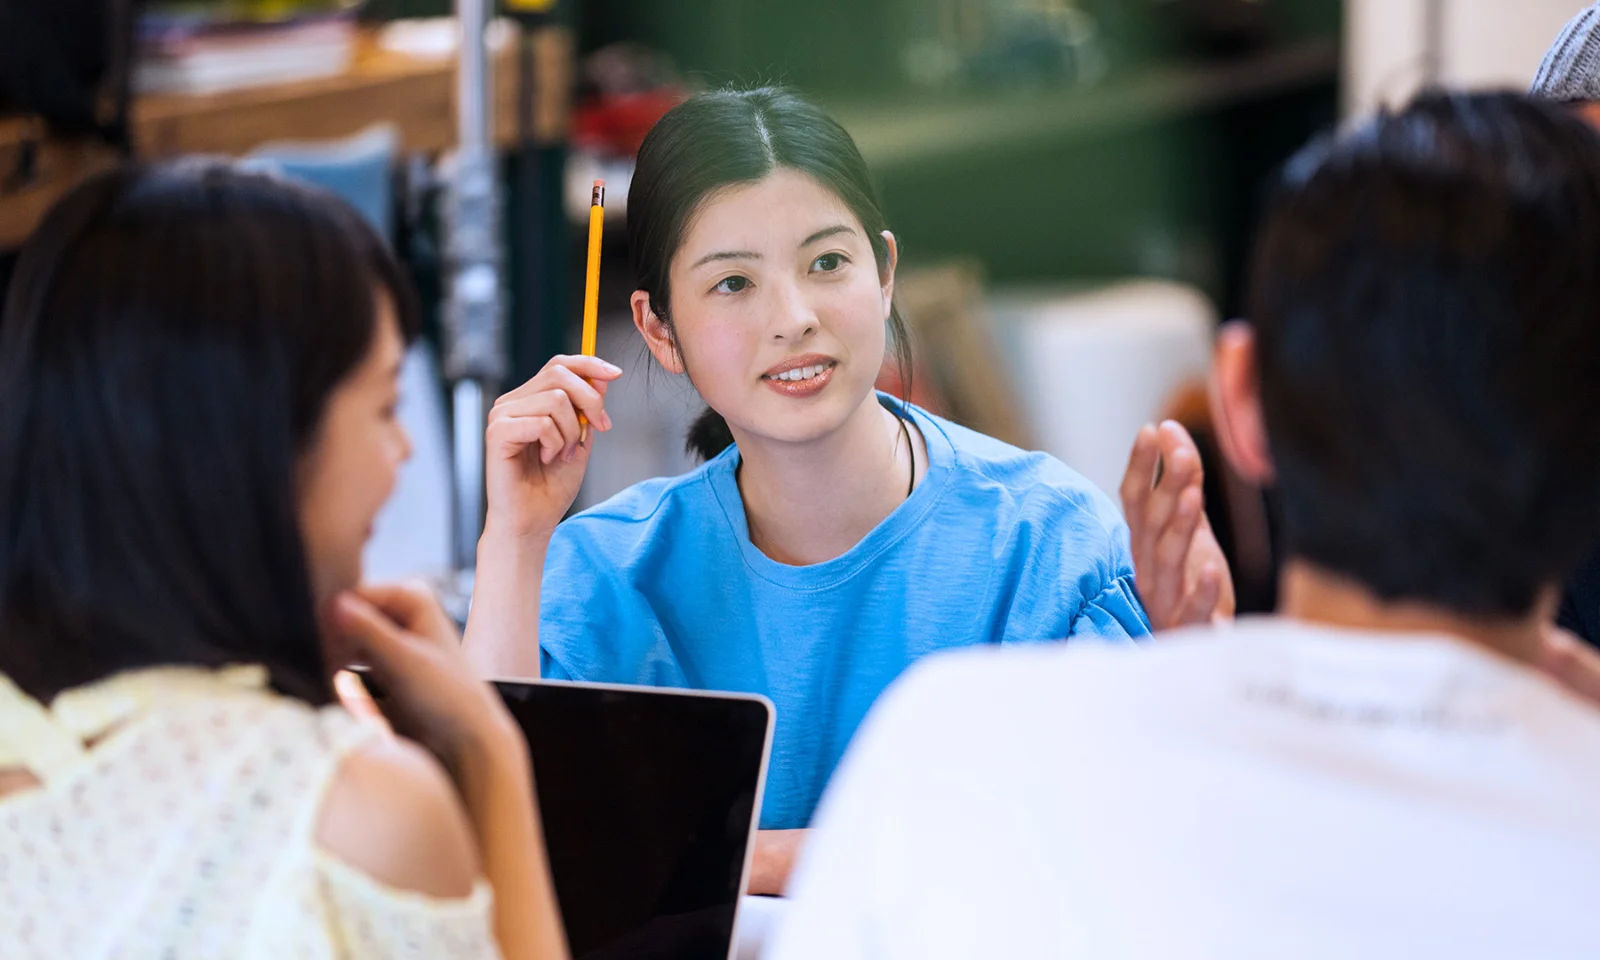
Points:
(1433, 14)
(468, 400)
(474, 317)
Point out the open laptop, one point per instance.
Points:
(649, 800)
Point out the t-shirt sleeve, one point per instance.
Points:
(1114, 614)
(570, 603)
(1076, 575)
(594, 624)
(552, 669)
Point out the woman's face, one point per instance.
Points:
(349, 468)
(778, 308)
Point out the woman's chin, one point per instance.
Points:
(812, 420)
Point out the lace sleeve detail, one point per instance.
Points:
(369, 919)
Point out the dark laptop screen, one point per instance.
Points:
(647, 799)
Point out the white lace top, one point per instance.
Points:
(187, 830)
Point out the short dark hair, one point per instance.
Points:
(725, 137)
(170, 339)
(1426, 297)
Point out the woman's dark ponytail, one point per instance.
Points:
(725, 137)
(708, 435)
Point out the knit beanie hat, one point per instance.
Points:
(1571, 68)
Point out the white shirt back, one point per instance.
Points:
(1269, 790)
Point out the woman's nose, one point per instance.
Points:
(796, 319)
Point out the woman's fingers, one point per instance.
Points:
(567, 389)
(1180, 468)
(414, 608)
(431, 693)
(584, 396)
(551, 427)
(356, 698)
(554, 404)
(590, 368)
(558, 383)
(1139, 477)
(585, 367)
(383, 642)
(1180, 457)
(509, 437)
(1200, 606)
(1164, 500)
(1171, 554)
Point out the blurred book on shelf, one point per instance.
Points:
(199, 47)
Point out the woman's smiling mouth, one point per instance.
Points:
(802, 376)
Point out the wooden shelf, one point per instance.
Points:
(417, 95)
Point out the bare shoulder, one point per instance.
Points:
(392, 813)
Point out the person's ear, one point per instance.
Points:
(657, 333)
(886, 275)
(1236, 404)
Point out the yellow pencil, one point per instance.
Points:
(591, 284)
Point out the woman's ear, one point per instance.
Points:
(886, 276)
(1236, 404)
(656, 332)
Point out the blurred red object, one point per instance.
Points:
(922, 388)
(615, 124)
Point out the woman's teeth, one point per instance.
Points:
(801, 373)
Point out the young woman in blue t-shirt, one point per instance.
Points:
(834, 534)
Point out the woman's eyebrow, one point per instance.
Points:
(825, 233)
(822, 234)
(726, 255)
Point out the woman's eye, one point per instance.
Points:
(828, 262)
(732, 285)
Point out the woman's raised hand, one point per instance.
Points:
(536, 449)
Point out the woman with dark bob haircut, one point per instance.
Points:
(198, 368)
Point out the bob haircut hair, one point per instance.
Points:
(170, 340)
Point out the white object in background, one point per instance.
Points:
(1392, 46)
(221, 61)
(758, 921)
(411, 537)
(436, 38)
(583, 169)
(1093, 366)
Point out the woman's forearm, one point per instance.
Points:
(502, 635)
(773, 861)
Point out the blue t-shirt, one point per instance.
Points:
(660, 585)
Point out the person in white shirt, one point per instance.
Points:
(1378, 770)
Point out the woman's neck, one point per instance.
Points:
(1314, 594)
(808, 503)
